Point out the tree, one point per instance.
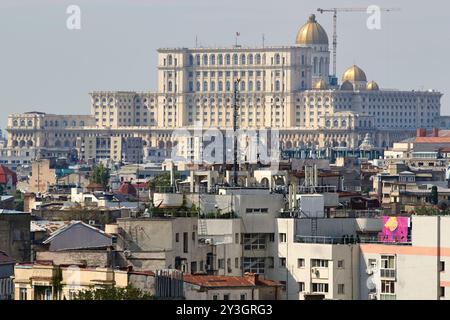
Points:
(162, 180)
(113, 293)
(18, 201)
(434, 195)
(100, 175)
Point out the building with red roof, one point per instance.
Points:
(8, 179)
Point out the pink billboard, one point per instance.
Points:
(395, 229)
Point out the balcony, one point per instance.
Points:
(388, 296)
(388, 274)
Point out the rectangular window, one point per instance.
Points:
(319, 263)
(236, 263)
(177, 237)
(23, 294)
(254, 265)
(340, 288)
(442, 292)
(301, 287)
(282, 237)
(442, 266)
(236, 238)
(185, 242)
(320, 287)
(300, 263)
(254, 241)
(243, 297)
(282, 262)
(226, 297)
(340, 264)
(221, 263)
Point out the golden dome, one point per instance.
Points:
(320, 85)
(347, 85)
(353, 74)
(372, 85)
(311, 33)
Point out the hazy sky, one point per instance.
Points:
(46, 67)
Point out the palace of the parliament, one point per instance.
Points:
(286, 87)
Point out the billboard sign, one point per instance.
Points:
(395, 229)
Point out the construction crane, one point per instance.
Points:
(335, 11)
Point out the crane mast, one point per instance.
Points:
(335, 11)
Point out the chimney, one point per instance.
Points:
(252, 277)
(421, 132)
(435, 132)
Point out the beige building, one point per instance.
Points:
(413, 271)
(285, 87)
(42, 176)
(36, 281)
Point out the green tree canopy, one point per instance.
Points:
(100, 175)
(113, 293)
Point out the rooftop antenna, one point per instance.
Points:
(196, 41)
(235, 124)
(263, 39)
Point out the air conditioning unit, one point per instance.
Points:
(372, 296)
(315, 271)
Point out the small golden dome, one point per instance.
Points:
(347, 85)
(372, 85)
(353, 74)
(312, 33)
(320, 85)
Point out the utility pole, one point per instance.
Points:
(235, 124)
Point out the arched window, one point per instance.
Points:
(220, 59)
(205, 59)
(212, 86)
(205, 86)
(242, 58)
(258, 85)
(277, 85)
(250, 86)
(335, 123)
(277, 59)
(169, 59)
(258, 59)
(220, 88)
(228, 86)
(212, 60)
(250, 59)
(22, 123)
(197, 59)
(15, 123)
(81, 123)
(74, 123)
(228, 59)
(242, 85)
(191, 60)
(169, 86)
(235, 59)
(197, 87)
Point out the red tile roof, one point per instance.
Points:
(444, 139)
(5, 259)
(5, 173)
(226, 281)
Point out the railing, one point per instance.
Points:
(346, 240)
(388, 296)
(388, 273)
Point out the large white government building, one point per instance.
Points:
(286, 87)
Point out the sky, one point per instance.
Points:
(46, 67)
